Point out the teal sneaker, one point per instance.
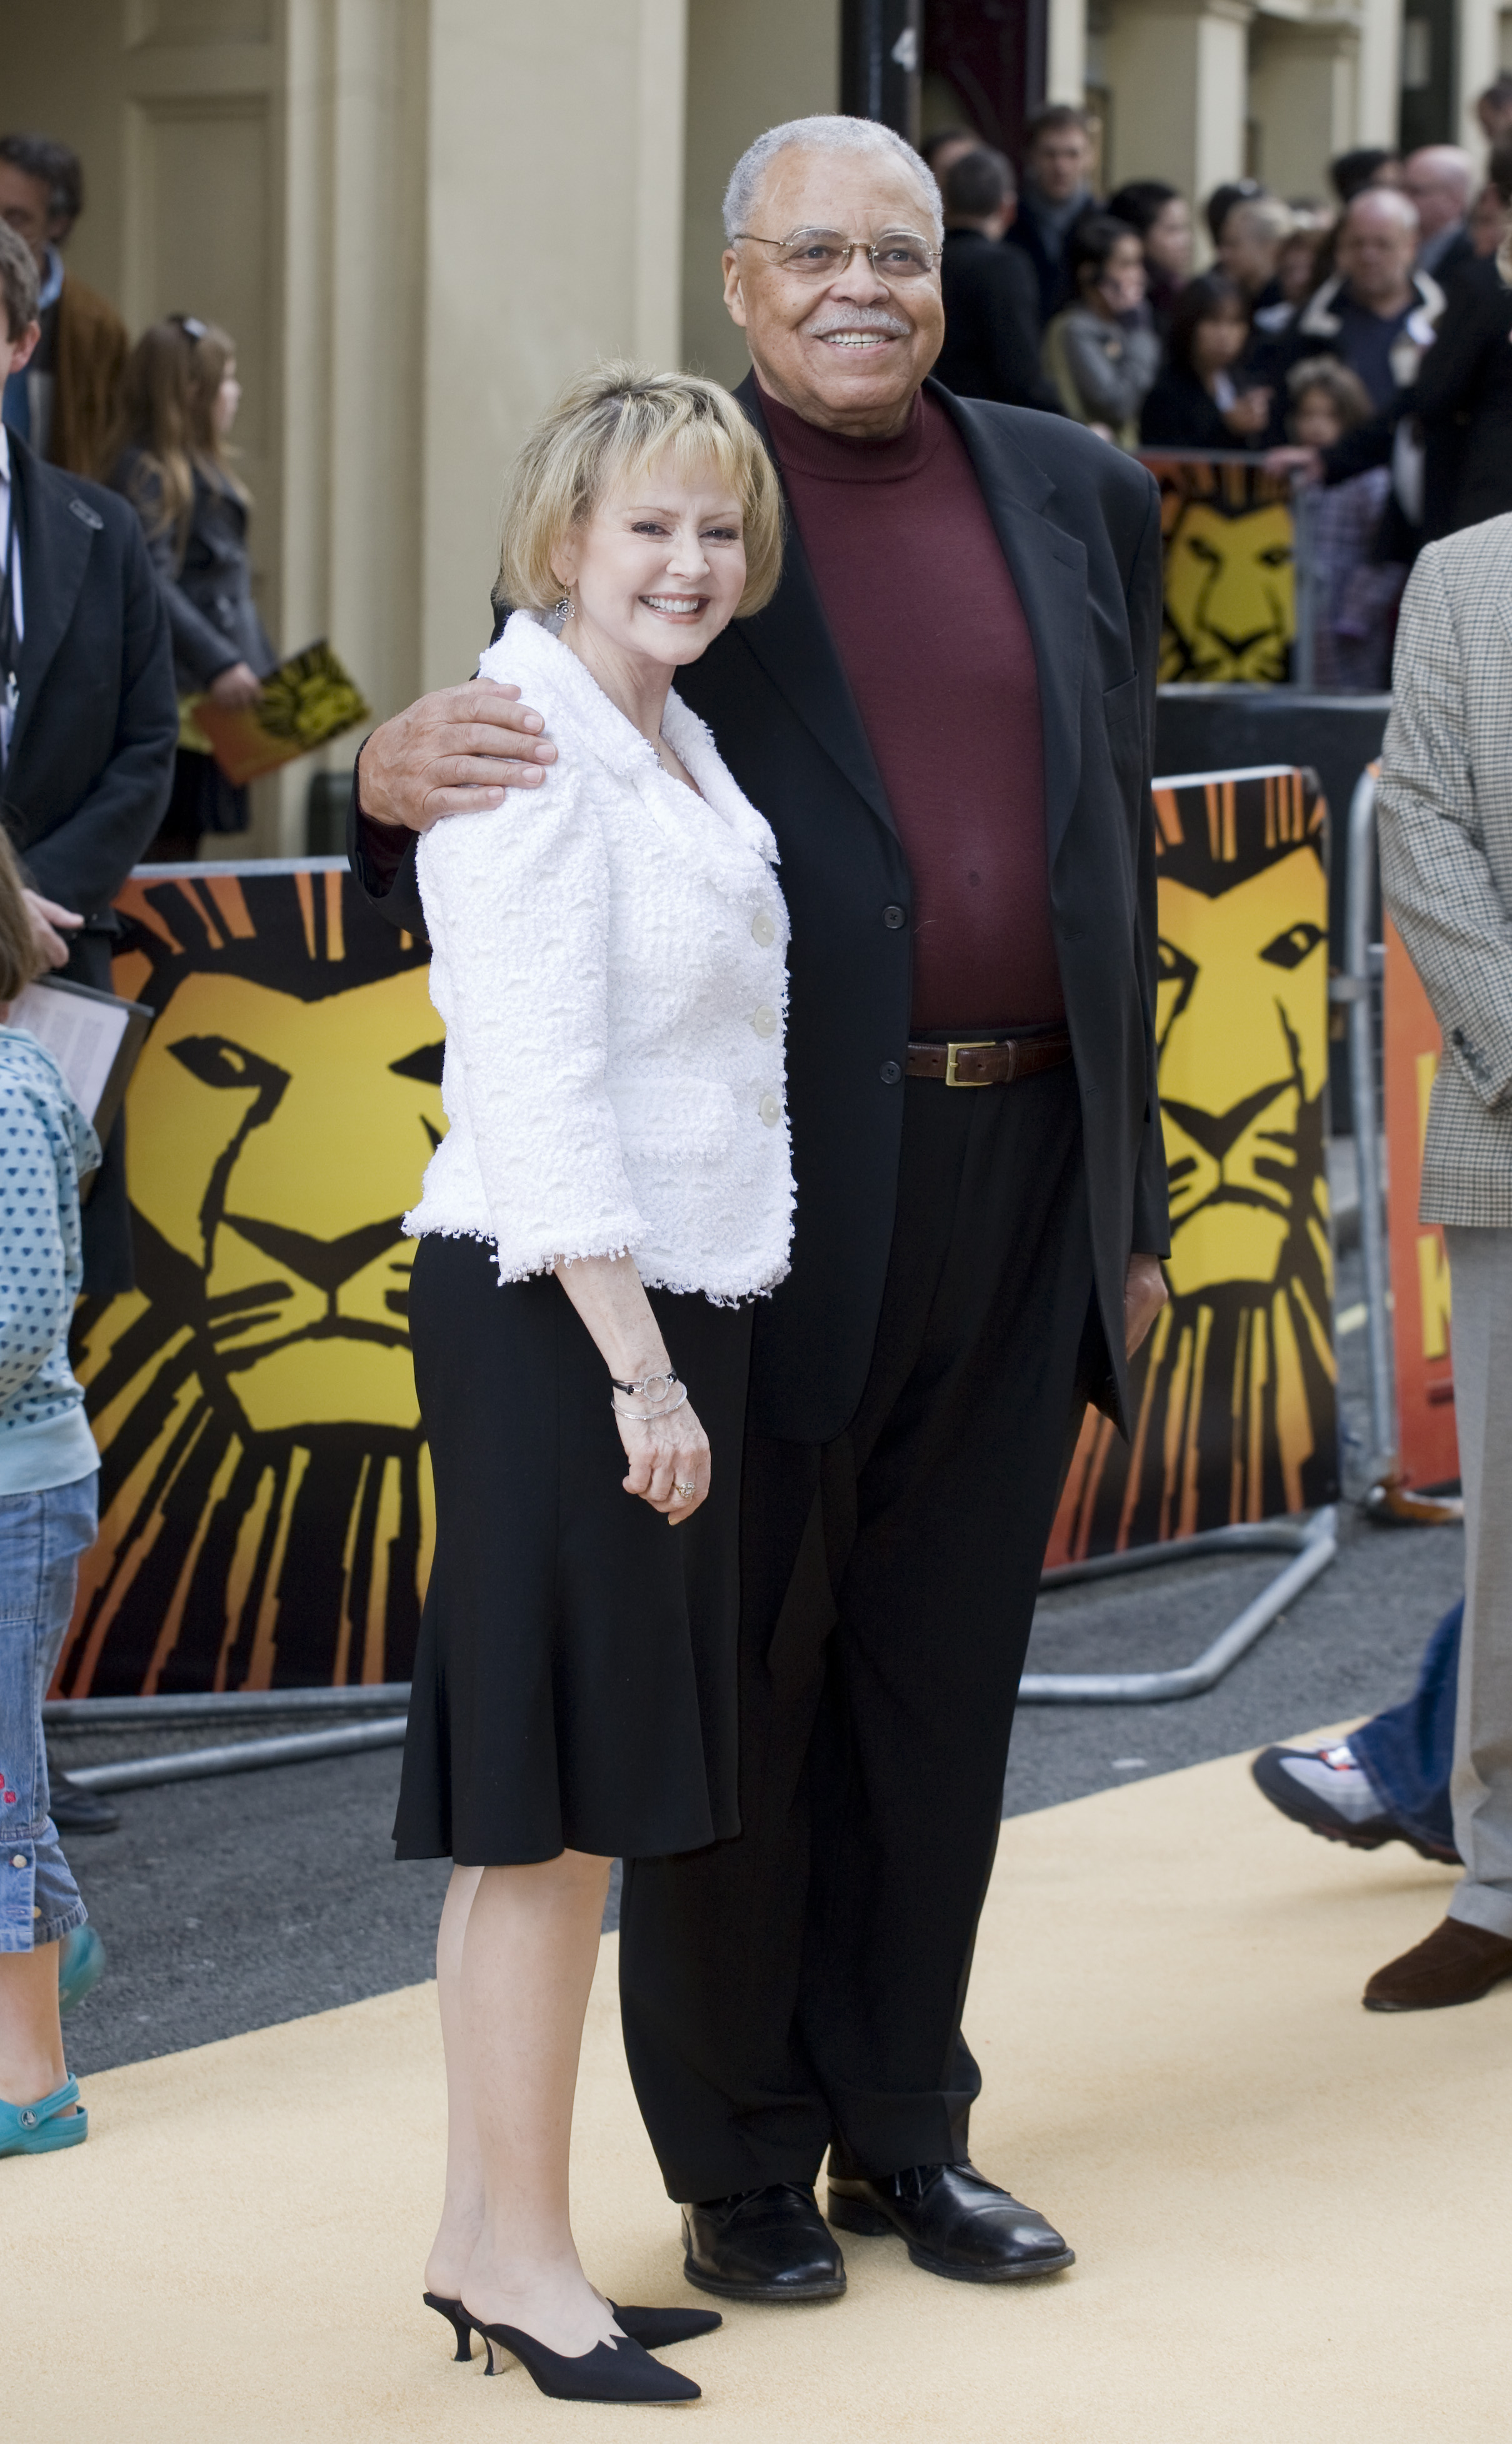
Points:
(81, 1967)
(40, 2129)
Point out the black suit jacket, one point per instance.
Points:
(991, 324)
(1081, 531)
(91, 759)
(1052, 276)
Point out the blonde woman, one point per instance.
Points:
(614, 1191)
(174, 463)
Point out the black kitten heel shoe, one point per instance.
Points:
(654, 2329)
(456, 2317)
(620, 2372)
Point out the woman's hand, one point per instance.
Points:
(235, 687)
(666, 1451)
(665, 1454)
(1250, 412)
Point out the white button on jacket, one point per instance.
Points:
(608, 955)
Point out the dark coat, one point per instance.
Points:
(1080, 525)
(205, 576)
(1181, 414)
(1052, 273)
(1463, 395)
(991, 324)
(92, 751)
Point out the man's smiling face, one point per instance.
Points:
(847, 354)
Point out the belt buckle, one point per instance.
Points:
(950, 1052)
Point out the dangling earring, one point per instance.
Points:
(562, 611)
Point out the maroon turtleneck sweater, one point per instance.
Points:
(930, 629)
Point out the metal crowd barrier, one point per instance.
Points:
(1313, 1542)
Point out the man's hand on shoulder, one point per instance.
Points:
(453, 753)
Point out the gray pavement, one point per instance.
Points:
(236, 1903)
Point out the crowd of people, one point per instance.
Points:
(805, 780)
(1360, 344)
(154, 422)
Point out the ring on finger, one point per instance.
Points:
(684, 1493)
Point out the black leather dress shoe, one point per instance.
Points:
(74, 1810)
(955, 2222)
(769, 2244)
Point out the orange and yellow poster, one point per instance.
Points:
(265, 1509)
(1234, 1414)
(1230, 575)
(1428, 1453)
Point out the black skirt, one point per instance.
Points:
(574, 1679)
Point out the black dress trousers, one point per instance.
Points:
(801, 1985)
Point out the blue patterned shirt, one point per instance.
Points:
(44, 1143)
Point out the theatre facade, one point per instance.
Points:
(417, 216)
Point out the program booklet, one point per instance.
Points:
(308, 699)
(93, 1036)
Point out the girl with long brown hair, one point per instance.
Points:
(175, 464)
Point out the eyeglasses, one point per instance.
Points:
(823, 254)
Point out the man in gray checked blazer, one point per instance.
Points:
(1446, 825)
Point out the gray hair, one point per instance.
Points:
(831, 133)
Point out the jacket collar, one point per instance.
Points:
(54, 554)
(534, 648)
(792, 641)
(1322, 315)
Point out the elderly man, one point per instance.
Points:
(947, 714)
(1439, 182)
(1376, 314)
(1446, 828)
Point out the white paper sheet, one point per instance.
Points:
(83, 1037)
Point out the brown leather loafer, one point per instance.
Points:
(1457, 1963)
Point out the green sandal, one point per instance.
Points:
(37, 2129)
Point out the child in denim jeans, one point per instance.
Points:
(48, 1473)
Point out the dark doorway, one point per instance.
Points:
(1427, 74)
(982, 61)
(991, 55)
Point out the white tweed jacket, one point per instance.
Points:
(1445, 807)
(609, 958)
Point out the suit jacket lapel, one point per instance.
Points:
(1049, 568)
(791, 640)
(54, 552)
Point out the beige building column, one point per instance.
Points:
(1378, 93)
(1303, 88)
(1480, 36)
(1178, 72)
(1065, 63)
(553, 237)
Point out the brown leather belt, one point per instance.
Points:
(986, 1063)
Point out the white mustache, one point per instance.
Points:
(857, 318)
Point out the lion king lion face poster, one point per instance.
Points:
(1228, 575)
(265, 1509)
(1233, 1396)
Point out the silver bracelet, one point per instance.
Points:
(649, 1417)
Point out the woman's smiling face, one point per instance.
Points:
(660, 567)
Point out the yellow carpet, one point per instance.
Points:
(1294, 2217)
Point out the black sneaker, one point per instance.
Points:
(1326, 1790)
